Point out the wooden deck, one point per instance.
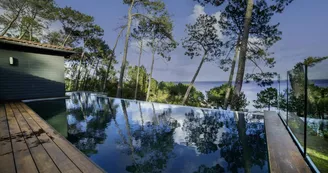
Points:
(29, 144)
(284, 155)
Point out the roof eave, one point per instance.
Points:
(67, 52)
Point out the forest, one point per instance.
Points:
(246, 35)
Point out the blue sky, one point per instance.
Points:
(304, 25)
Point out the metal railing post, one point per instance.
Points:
(287, 98)
(278, 95)
(305, 107)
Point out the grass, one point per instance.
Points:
(320, 159)
(317, 147)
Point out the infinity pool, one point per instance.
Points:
(131, 136)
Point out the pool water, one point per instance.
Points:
(131, 136)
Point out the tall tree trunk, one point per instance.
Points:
(107, 73)
(193, 80)
(71, 81)
(76, 85)
(66, 39)
(111, 59)
(137, 81)
(95, 74)
(87, 74)
(31, 33)
(126, 47)
(232, 71)
(243, 50)
(22, 35)
(151, 74)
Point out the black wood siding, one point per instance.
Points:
(33, 76)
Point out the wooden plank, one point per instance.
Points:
(41, 158)
(56, 154)
(284, 155)
(80, 160)
(7, 164)
(23, 159)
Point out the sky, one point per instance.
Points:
(304, 26)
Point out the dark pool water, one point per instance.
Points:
(130, 136)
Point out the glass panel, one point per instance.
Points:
(282, 98)
(296, 102)
(317, 121)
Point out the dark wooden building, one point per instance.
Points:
(30, 70)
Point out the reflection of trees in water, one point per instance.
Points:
(215, 169)
(89, 116)
(202, 131)
(243, 145)
(242, 142)
(150, 145)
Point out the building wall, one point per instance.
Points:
(32, 76)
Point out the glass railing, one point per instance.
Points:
(317, 115)
(303, 106)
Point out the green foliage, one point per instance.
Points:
(266, 98)
(216, 95)
(74, 23)
(318, 101)
(312, 61)
(157, 33)
(203, 39)
(13, 10)
(38, 15)
(173, 94)
(239, 102)
(30, 17)
(262, 35)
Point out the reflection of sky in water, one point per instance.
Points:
(129, 136)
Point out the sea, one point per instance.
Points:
(252, 88)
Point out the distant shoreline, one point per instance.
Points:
(234, 81)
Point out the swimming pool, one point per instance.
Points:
(131, 136)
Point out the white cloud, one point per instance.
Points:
(198, 10)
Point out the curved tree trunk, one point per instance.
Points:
(126, 46)
(137, 81)
(111, 59)
(232, 71)
(193, 80)
(151, 74)
(12, 21)
(243, 49)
